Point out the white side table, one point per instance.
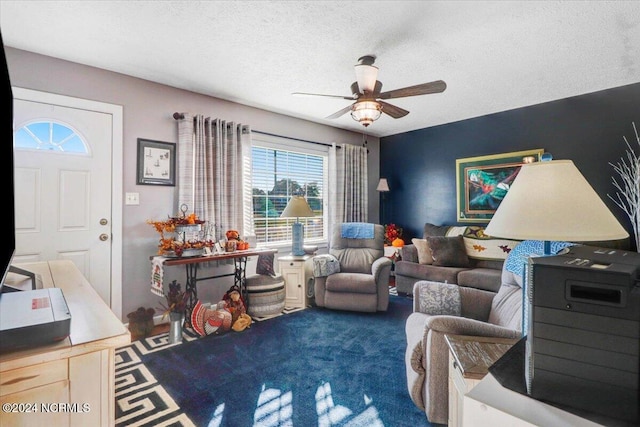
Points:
(296, 271)
(469, 361)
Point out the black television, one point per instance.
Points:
(8, 245)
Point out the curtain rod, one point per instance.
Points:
(180, 116)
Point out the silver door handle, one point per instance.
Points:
(104, 237)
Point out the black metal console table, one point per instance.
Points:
(239, 272)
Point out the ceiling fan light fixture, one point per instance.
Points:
(366, 112)
(366, 76)
(370, 101)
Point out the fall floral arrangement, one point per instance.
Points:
(391, 233)
(176, 299)
(172, 226)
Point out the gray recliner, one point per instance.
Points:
(362, 284)
(440, 309)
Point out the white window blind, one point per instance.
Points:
(278, 172)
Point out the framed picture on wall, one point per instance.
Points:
(482, 182)
(156, 162)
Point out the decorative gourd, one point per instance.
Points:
(397, 243)
(232, 235)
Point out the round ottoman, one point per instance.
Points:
(265, 295)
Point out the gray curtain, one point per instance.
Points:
(212, 155)
(348, 197)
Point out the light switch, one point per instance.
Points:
(132, 199)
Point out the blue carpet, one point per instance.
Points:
(315, 367)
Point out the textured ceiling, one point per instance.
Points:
(493, 55)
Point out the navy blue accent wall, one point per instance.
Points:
(588, 129)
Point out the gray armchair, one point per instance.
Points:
(362, 284)
(440, 309)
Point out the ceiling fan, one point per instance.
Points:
(368, 97)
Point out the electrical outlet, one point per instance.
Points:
(132, 199)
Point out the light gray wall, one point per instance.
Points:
(147, 109)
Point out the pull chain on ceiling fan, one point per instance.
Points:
(368, 95)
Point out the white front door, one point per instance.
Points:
(63, 180)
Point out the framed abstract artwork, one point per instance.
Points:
(156, 162)
(482, 182)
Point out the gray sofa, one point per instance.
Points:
(485, 257)
(483, 269)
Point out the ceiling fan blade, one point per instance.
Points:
(350, 98)
(340, 113)
(392, 110)
(422, 89)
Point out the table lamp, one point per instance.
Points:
(551, 201)
(297, 208)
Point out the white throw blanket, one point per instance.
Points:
(325, 265)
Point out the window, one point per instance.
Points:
(280, 171)
(49, 136)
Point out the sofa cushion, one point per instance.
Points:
(448, 251)
(431, 230)
(409, 253)
(351, 282)
(506, 308)
(424, 253)
(487, 263)
(480, 278)
(428, 272)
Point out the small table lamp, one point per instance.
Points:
(297, 208)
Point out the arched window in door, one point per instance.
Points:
(50, 136)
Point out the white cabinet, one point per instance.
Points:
(296, 272)
(76, 374)
(459, 385)
(469, 360)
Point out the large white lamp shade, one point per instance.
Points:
(297, 208)
(552, 201)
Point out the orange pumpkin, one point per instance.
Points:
(232, 235)
(397, 243)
